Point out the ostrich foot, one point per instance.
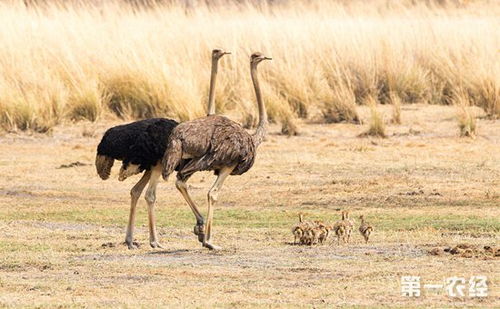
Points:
(155, 244)
(199, 230)
(132, 244)
(201, 237)
(211, 247)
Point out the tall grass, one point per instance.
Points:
(396, 108)
(466, 117)
(63, 62)
(376, 126)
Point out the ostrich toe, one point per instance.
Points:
(211, 247)
(132, 245)
(155, 244)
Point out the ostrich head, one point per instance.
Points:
(256, 58)
(218, 53)
(128, 170)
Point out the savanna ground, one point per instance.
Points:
(61, 229)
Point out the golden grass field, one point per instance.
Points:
(61, 230)
(63, 62)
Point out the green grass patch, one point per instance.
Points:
(272, 218)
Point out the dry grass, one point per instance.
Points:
(63, 63)
(466, 117)
(289, 127)
(396, 108)
(425, 187)
(376, 126)
(466, 122)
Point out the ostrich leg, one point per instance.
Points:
(151, 199)
(135, 193)
(200, 221)
(213, 194)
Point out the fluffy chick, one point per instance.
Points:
(365, 228)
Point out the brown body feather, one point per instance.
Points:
(209, 143)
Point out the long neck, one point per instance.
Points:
(211, 94)
(261, 131)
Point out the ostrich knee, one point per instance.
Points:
(150, 197)
(213, 195)
(179, 184)
(135, 193)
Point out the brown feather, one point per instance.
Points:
(210, 143)
(103, 165)
(171, 158)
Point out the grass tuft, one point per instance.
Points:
(377, 124)
(289, 127)
(466, 118)
(341, 107)
(396, 108)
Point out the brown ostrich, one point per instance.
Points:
(140, 146)
(213, 143)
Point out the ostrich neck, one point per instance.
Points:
(211, 94)
(261, 131)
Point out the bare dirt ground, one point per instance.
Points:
(61, 229)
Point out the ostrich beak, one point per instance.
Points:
(227, 53)
(268, 58)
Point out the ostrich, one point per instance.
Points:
(213, 143)
(140, 146)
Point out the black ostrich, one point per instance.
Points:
(140, 146)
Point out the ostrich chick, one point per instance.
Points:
(299, 229)
(349, 224)
(340, 228)
(365, 228)
(324, 231)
